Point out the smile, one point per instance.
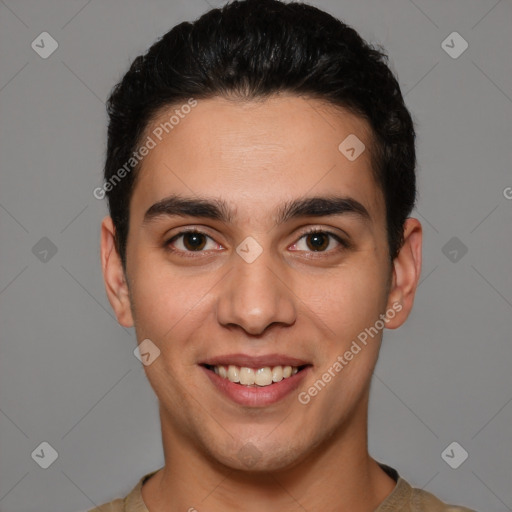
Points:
(258, 385)
(246, 376)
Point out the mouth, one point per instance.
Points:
(255, 377)
(255, 381)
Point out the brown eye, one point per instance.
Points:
(194, 241)
(188, 242)
(317, 241)
(320, 241)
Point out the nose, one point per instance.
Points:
(256, 295)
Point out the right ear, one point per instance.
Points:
(113, 275)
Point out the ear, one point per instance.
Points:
(113, 275)
(406, 274)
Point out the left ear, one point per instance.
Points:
(406, 274)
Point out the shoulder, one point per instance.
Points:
(406, 498)
(132, 502)
(423, 501)
(113, 506)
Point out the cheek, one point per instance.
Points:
(346, 299)
(169, 310)
(166, 303)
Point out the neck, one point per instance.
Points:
(338, 475)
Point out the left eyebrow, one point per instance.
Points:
(321, 207)
(217, 209)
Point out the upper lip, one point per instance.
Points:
(254, 361)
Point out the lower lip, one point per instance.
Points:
(256, 396)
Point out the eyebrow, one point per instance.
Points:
(217, 209)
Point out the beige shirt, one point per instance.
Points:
(404, 498)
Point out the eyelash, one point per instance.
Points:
(192, 254)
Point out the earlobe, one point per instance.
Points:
(113, 275)
(406, 274)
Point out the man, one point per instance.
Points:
(260, 174)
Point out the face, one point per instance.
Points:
(256, 244)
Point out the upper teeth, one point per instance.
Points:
(260, 376)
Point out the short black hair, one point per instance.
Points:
(252, 49)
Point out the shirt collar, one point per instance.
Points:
(400, 494)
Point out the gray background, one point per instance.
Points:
(68, 373)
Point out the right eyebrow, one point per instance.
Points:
(174, 205)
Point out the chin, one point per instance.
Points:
(254, 457)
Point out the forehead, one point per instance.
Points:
(255, 154)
